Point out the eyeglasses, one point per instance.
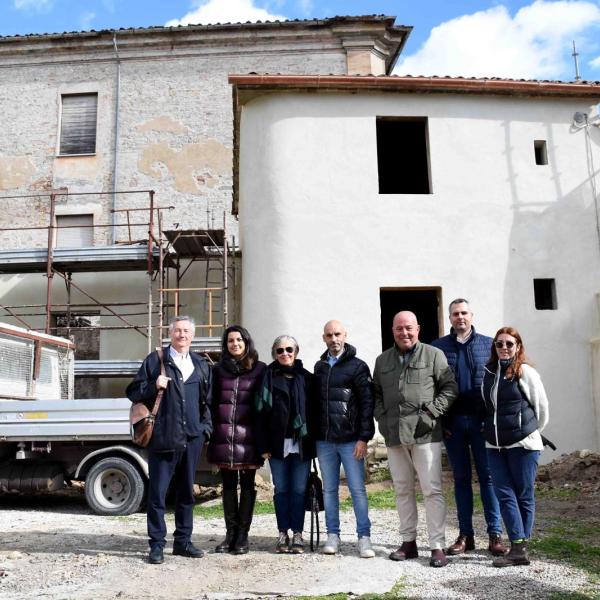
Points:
(502, 343)
(287, 349)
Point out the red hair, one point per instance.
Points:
(520, 358)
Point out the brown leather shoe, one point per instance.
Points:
(406, 550)
(496, 547)
(461, 545)
(438, 558)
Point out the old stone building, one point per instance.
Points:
(89, 115)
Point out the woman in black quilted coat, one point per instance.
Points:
(232, 447)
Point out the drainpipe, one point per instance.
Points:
(116, 148)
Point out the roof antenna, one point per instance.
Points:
(575, 55)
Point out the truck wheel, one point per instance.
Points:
(113, 486)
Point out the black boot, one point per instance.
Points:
(247, 500)
(517, 555)
(230, 512)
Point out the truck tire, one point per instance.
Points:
(113, 486)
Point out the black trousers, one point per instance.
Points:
(179, 465)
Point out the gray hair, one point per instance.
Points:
(458, 301)
(280, 339)
(181, 318)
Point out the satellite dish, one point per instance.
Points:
(580, 119)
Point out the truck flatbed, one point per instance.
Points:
(64, 420)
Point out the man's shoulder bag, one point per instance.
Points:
(141, 419)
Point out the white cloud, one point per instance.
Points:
(535, 43)
(36, 5)
(225, 11)
(305, 7)
(595, 63)
(85, 20)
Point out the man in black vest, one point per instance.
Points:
(467, 352)
(183, 425)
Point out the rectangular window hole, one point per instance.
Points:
(544, 291)
(403, 155)
(541, 152)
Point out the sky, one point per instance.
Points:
(520, 39)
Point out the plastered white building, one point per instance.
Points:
(509, 196)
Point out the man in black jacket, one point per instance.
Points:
(467, 351)
(182, 426)
(343, 427)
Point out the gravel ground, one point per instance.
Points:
(54, 549)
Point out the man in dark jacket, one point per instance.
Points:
(344, 424)
(467, 352)
(182, 426)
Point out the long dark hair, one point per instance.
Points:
(251, 355)
(520, 358)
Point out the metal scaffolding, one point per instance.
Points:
(165, 255)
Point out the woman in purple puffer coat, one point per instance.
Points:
(232, 447)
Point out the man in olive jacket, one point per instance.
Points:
(412, 388)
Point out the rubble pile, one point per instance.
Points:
(578, 470)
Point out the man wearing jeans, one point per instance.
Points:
(412, 387)
(343, 425)
(467, 352)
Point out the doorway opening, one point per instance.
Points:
(424, 302)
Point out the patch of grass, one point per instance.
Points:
(394, 594)
(377, 499)
(556, 493)
(581, 555)
(573, 596)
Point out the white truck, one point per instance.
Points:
(49, 439)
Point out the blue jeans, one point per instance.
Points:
(289, 478)
(466, 439)
(513, 473)
(330, 456)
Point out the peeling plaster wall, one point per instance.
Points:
(176, 127)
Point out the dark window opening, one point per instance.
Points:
(541, 152)
(424, 302)
(78, 124)
(403, 156)
(84, 330)
(544, 291)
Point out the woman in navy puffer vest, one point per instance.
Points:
(516, 413)
(232, 446)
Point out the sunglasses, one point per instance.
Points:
(287, 349)
(502, 343)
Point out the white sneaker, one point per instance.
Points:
(332, 545)
(364, 547)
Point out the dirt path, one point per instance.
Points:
(52, 548)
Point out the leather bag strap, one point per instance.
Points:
(161, 392)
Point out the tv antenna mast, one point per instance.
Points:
(575, 55)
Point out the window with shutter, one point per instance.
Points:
(74, 231)
(78, 124)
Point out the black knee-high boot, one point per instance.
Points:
(246, 510)
(230, 512)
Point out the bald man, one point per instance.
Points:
(412, 388)
(344, 426)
